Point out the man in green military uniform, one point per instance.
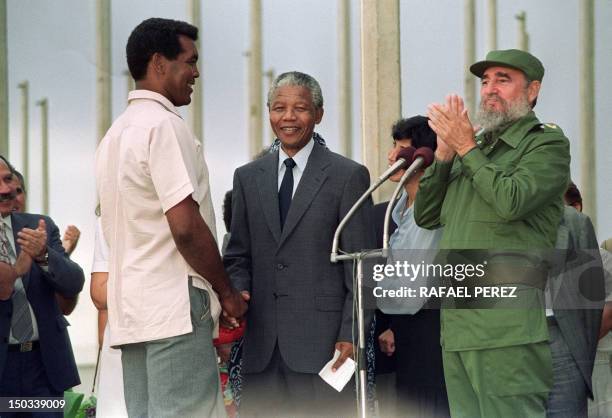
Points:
(500, 193)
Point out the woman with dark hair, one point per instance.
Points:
(413, 336)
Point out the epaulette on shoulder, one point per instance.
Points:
(548, 127)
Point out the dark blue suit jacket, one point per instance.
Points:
(63, 276)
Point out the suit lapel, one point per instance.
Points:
(267, 183)
(562, 251)
(17, 224)
(312, 179)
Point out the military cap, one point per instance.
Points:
(513, 58)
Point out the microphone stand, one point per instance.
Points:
(409, 172)
(360, 373)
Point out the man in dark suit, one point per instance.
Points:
(285, 209)
(576, 291)
(35, 354)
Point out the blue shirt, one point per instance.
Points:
(412, 244)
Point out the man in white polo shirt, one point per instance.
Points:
(166, 278)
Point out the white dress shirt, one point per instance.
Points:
(300, 158)
(147, 163)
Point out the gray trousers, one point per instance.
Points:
(279, 392)
(568, 396)
(177, 376)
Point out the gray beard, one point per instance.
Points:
(492, 120)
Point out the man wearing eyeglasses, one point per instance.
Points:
(69, 240)
(35, 354)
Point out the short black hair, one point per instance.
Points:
(227, 210)
(572, 195)
(417, 129)
(155, 35)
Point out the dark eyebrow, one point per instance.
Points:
(497, 74)
(502, 74)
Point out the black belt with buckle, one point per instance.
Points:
(24, 347)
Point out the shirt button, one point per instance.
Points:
(280, 266)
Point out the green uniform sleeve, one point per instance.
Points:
(514, 191)
(431, 193)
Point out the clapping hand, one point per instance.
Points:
(34, 241)
(453, 127)
(70, 238)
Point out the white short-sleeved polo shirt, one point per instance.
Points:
(149, 161)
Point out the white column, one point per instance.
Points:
(469, 57)
(255, 124)
(197, 102)
(4, 106)
(523, 36)
(44, 129)
(25, 117)
(380, 84)
(344, 78)
(588, 170)
(103, 66)
(270, 76)
(129, 83)
(492, 27)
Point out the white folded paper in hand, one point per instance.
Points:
(340, 377)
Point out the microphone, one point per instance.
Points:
(404, 157)
(426, 155)
(423, 157)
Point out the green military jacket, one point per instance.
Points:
(504, 195)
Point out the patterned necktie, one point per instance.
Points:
(21, 321)
(286, 191)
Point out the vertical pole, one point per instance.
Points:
(4, 107)
(197, 105)
(270, 76)
(25, 169)
(103, 66)
(255, 81)
(345, 79)
(44, 129)
(492, 33)
(469, 81)
(380, 84)
(587, 109)
(523, 36)
(129, 82)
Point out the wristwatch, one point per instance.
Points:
(43, 260)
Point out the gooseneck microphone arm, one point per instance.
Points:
(404, 157)
(390, 206)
